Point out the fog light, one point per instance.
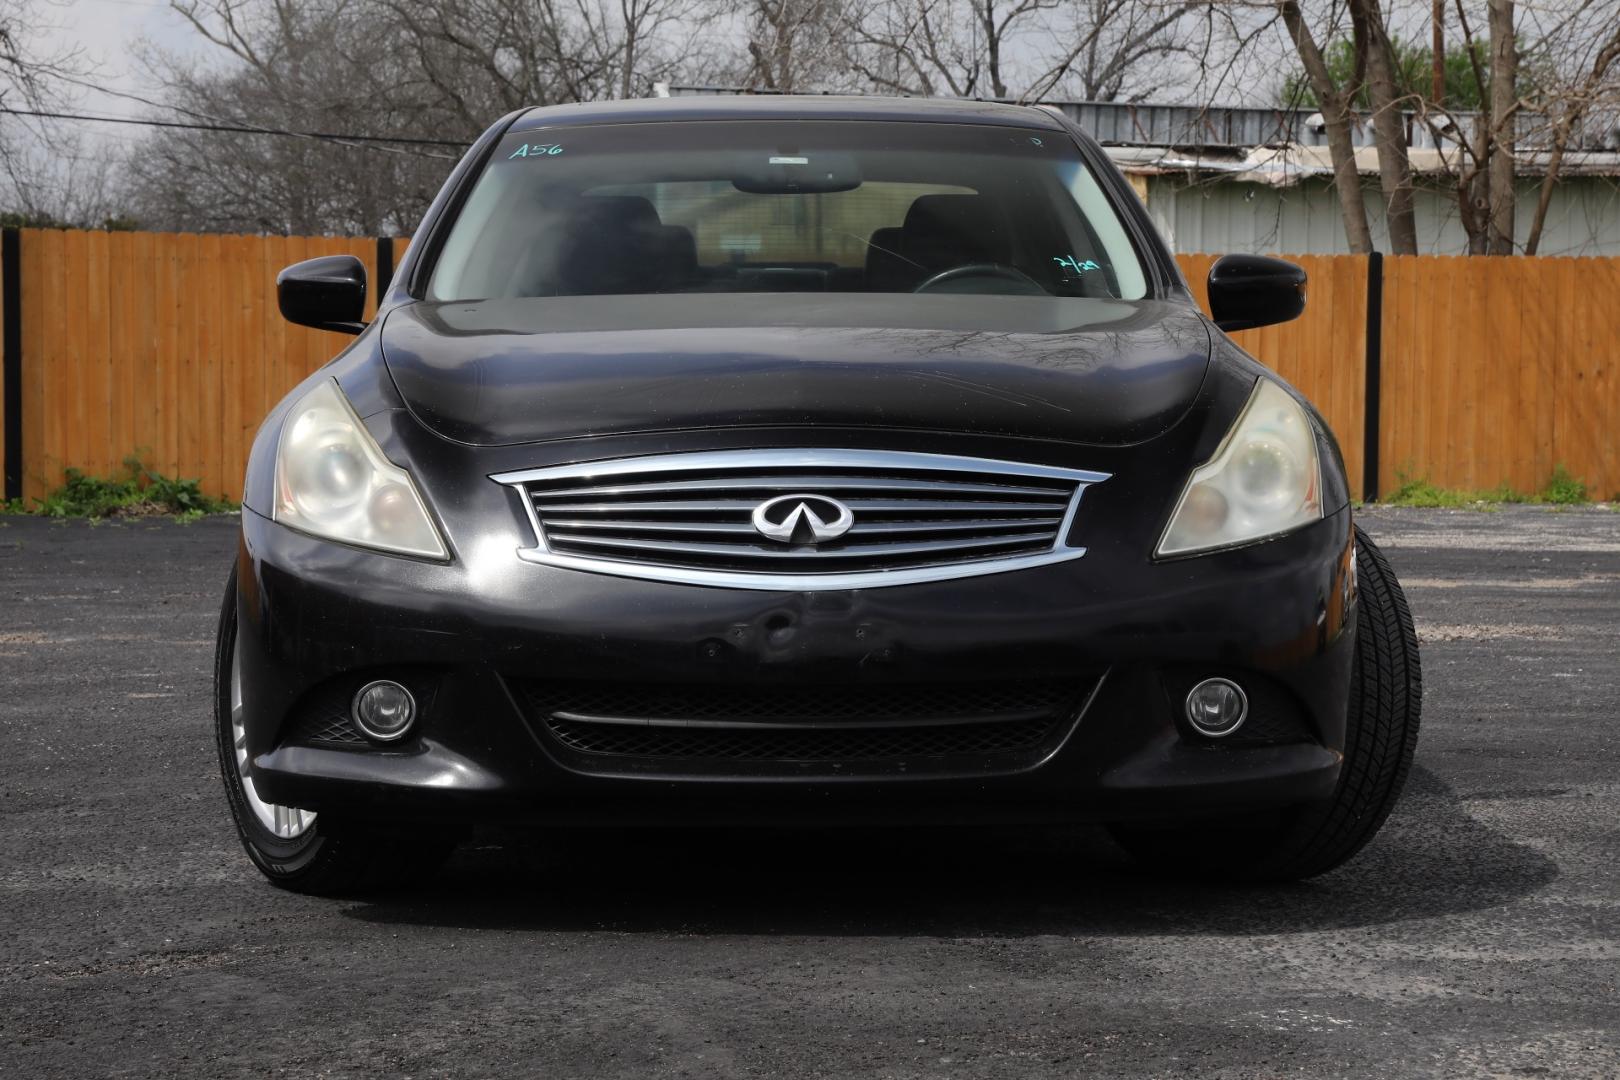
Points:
(1217, 707)
(383, 711)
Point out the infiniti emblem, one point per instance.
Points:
(802, 519)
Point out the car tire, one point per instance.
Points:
(1385, 706)
(331, 857)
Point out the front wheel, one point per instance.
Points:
(1386, 700)
(298, 849)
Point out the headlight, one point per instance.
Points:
(332, 481)
(1264, 480)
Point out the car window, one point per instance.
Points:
(832, 227)
(787, 206)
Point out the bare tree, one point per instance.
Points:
(444, 68)
(1595, 90)
(1482, 169)
(61, 180)
(1027, 50)
(29, 67)
(996, 26)
(1337, 105)
(1372, 41)
(918, 47)
(963, 47)
(1118, 49)
(793, 46)
(1504, 100)
(296, 66)
(42, 169)
(487, 56)
(1373, 73)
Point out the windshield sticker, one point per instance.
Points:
(1075, 267)
(537, 150)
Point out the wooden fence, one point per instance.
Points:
(165, 346)
(1487, 371)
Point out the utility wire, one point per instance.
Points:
(327, 136)
(358, 143)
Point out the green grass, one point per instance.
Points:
(1419, 492)
(1561, 490)
(1564, 490)
(138, 492)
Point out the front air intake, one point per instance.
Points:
(915, 725)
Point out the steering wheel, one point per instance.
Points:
(983, 270)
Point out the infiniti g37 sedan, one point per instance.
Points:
(802, 460)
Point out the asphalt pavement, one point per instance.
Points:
(1478, 936)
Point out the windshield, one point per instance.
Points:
(787, 206)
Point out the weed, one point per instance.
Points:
(1416, 491)
(138, 492)
(1561, 489)
(1564, 489)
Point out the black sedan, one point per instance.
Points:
(802, 460)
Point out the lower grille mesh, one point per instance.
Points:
(803, 723)
(322, 718)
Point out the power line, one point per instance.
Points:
(358, 143)
(235, 128)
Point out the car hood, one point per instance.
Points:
(499, 372)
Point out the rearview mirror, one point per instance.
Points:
(812, 173)
(1246, 291)
(328, 293)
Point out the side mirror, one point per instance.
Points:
(1246, 291)
(328, 293)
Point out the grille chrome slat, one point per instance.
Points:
(893, 527)
(568, 524)
(868, 529)
(887, 723)
(689, 518)
(810, 483)
(843, 551)
(747, 506)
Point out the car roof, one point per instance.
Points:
(787, 107)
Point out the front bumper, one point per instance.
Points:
(1278, 613)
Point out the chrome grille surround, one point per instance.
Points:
(685, 517)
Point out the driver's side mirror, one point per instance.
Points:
(1246, 291)
(328, 293)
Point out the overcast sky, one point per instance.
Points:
(108, 32)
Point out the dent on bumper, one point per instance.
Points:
(311, 610)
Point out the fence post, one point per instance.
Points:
(385, 266)
(11, 359)
(1374, 377)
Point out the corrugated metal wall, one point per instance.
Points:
(1221, 215)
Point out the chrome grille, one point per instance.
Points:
(690, 517)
